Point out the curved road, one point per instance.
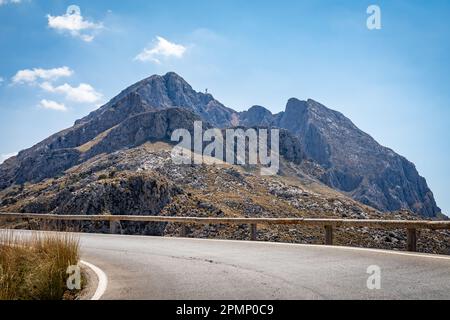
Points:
(172, 268)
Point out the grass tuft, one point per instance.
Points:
(34, 268)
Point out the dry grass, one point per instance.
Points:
(34, 268)
(88, 145)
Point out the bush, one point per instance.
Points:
(102, 177)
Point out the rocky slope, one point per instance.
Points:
(144, 180)
(332, 149)
(352, 161)
(70, 147)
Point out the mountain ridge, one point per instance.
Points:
(351, 161)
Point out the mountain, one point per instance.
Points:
(322, 144)
(353, 161)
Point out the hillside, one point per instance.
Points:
(144, 181)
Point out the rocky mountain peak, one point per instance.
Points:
(256, 115)
(177, 82)
(354, 162)
(161, 92)
(171, 90)
(296, 105)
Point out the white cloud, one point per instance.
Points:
(2, 2)
(44, 78)
(31, 75)
(1, 78)
(84, 93)
(74, 23)
(4, 157)
(87, 37)
(162, 49)
(52, 105)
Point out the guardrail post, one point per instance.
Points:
(329, 235)
(114, 226)
(183, 232)
(412, 240)
(253, 229)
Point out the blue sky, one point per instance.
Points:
(393, 83)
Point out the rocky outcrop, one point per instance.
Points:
(144, 127)
(131, 193)
(29, 167)
(134, 194)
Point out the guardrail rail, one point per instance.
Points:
(329, 225)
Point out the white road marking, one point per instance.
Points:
(417, 255)
(102, 280)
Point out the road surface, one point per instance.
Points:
(173, 268)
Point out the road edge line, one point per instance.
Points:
(102, 280)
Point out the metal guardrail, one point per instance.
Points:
(328, 224)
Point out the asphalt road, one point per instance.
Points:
(173, 268)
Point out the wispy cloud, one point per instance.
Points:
(6, 156)
(84, 93)
(2, 2)
(30, 76)
(161, 49)
(52, 105)
(75, 24)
